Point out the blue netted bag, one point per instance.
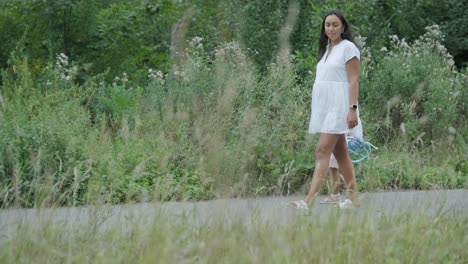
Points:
(358, 148)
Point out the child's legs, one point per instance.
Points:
(334, 176)
(335, 181)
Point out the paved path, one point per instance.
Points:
(377, 204)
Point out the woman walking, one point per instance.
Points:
(334, 105)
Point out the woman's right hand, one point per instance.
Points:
(352, 118)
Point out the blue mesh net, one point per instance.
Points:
(358, 148)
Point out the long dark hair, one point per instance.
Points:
(323, 40)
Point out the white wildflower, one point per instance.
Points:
(157, 76)
(124, 78)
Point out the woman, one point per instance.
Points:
(334, 105)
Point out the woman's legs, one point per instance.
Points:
(324, 148)
(346, 167)
(335, 185)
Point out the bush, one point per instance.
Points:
(413, 92)
(395, 168)
(42, 140)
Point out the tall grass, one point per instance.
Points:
(338, 238)
(209, 129)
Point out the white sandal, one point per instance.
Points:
(301, 204)
(346, 204)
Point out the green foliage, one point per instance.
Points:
(415, 91)
(376, 20)
(456, 41)
(116, 103)
(46, 27)
(399, 169)
(90, 33)
(210, 20)
(139, 32)
(264, 42)
(42, 133)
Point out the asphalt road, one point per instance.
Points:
(430, 203)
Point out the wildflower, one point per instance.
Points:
(360, 41)
(124, 78)
(157, 76)
(62, 59)
(394, 38)
(196, 42)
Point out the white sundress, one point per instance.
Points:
(330, 95)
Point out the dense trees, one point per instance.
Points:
(129, 35)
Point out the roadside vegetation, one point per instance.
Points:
(146, 102)
(338, 238)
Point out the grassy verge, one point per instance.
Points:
(345, 238)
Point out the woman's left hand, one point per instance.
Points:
(352, 119)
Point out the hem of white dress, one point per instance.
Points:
(328, 132)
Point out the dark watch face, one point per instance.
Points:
(354, 106)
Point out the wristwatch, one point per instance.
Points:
(354, 107)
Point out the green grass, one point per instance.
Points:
(336, 238)
(397, 168)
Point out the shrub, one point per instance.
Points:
(414, 90)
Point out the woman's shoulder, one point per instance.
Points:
(350, 44)
(350, 50)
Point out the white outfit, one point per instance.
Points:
(330, 95)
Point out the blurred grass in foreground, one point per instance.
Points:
(340, 237)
